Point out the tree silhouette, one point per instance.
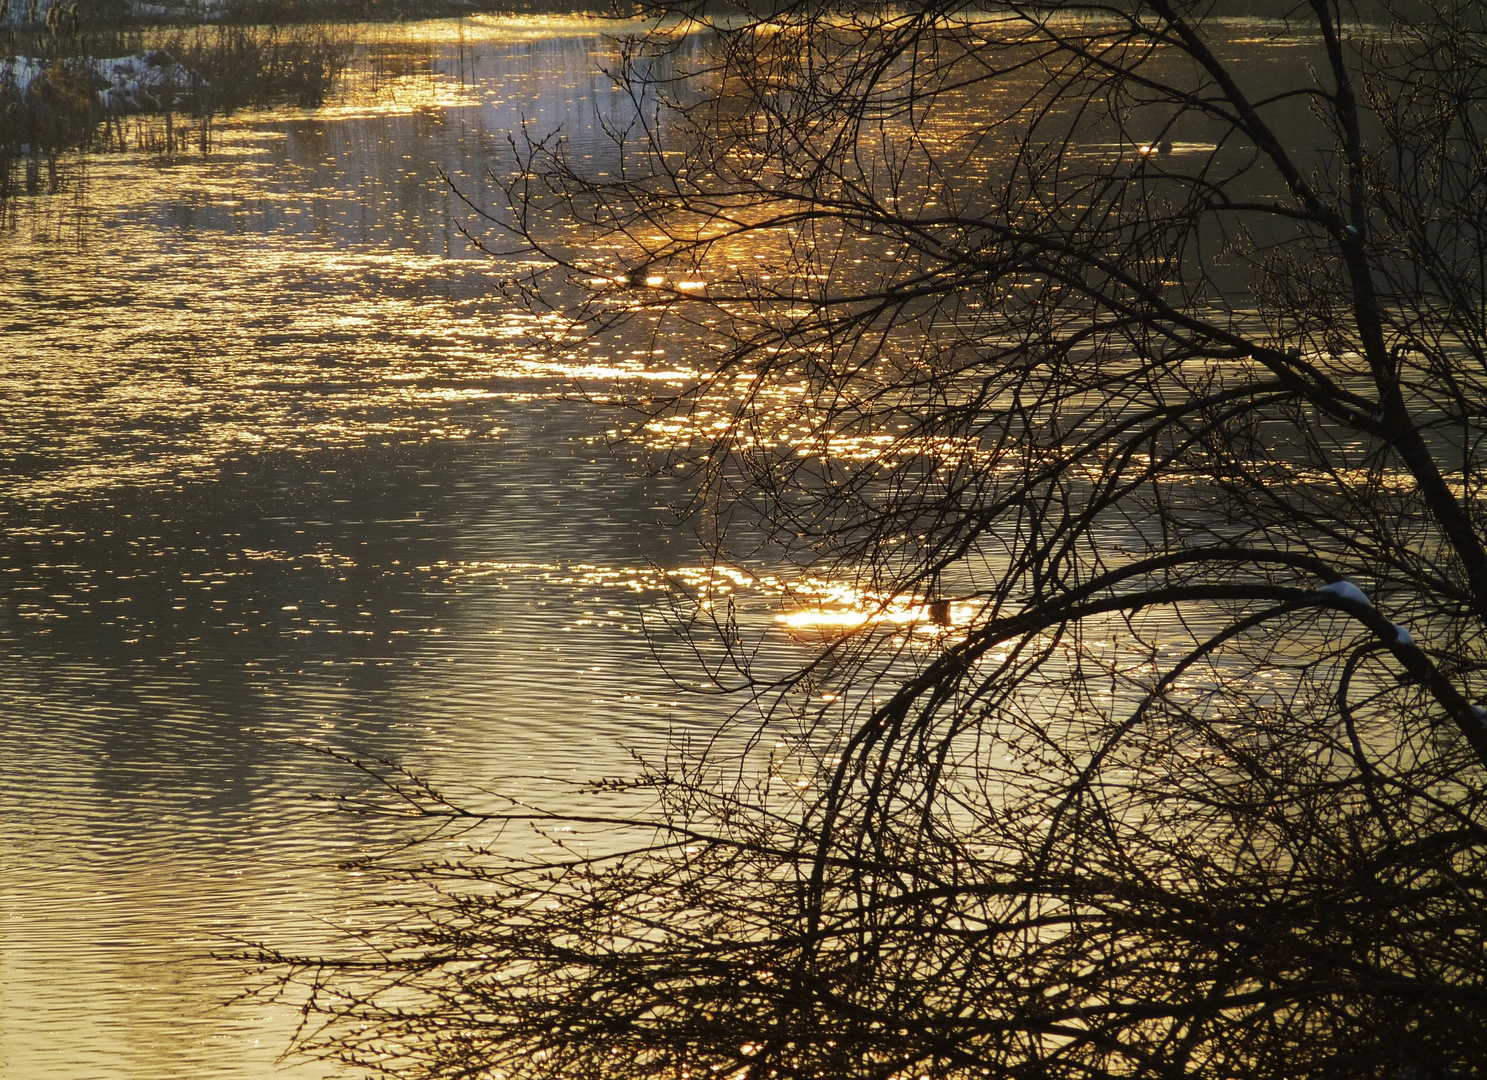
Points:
(1141, 353)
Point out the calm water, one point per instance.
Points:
(281, 467)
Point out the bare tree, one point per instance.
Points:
(1143, 353)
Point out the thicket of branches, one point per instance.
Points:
(1146, 352)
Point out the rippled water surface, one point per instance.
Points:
(281, 467)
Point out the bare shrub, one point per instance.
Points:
(1143, 353)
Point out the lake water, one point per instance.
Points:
(282, 469)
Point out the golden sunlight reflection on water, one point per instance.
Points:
(283, 468)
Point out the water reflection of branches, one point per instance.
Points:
(1173, 796)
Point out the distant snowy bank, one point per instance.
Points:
(18, 72)
(149, 82)
(173, 10)
(113, 13)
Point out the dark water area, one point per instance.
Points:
(280, 468)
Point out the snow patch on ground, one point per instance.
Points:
(149, 82)
(204, 10)
(21, 13)
(17, 72)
